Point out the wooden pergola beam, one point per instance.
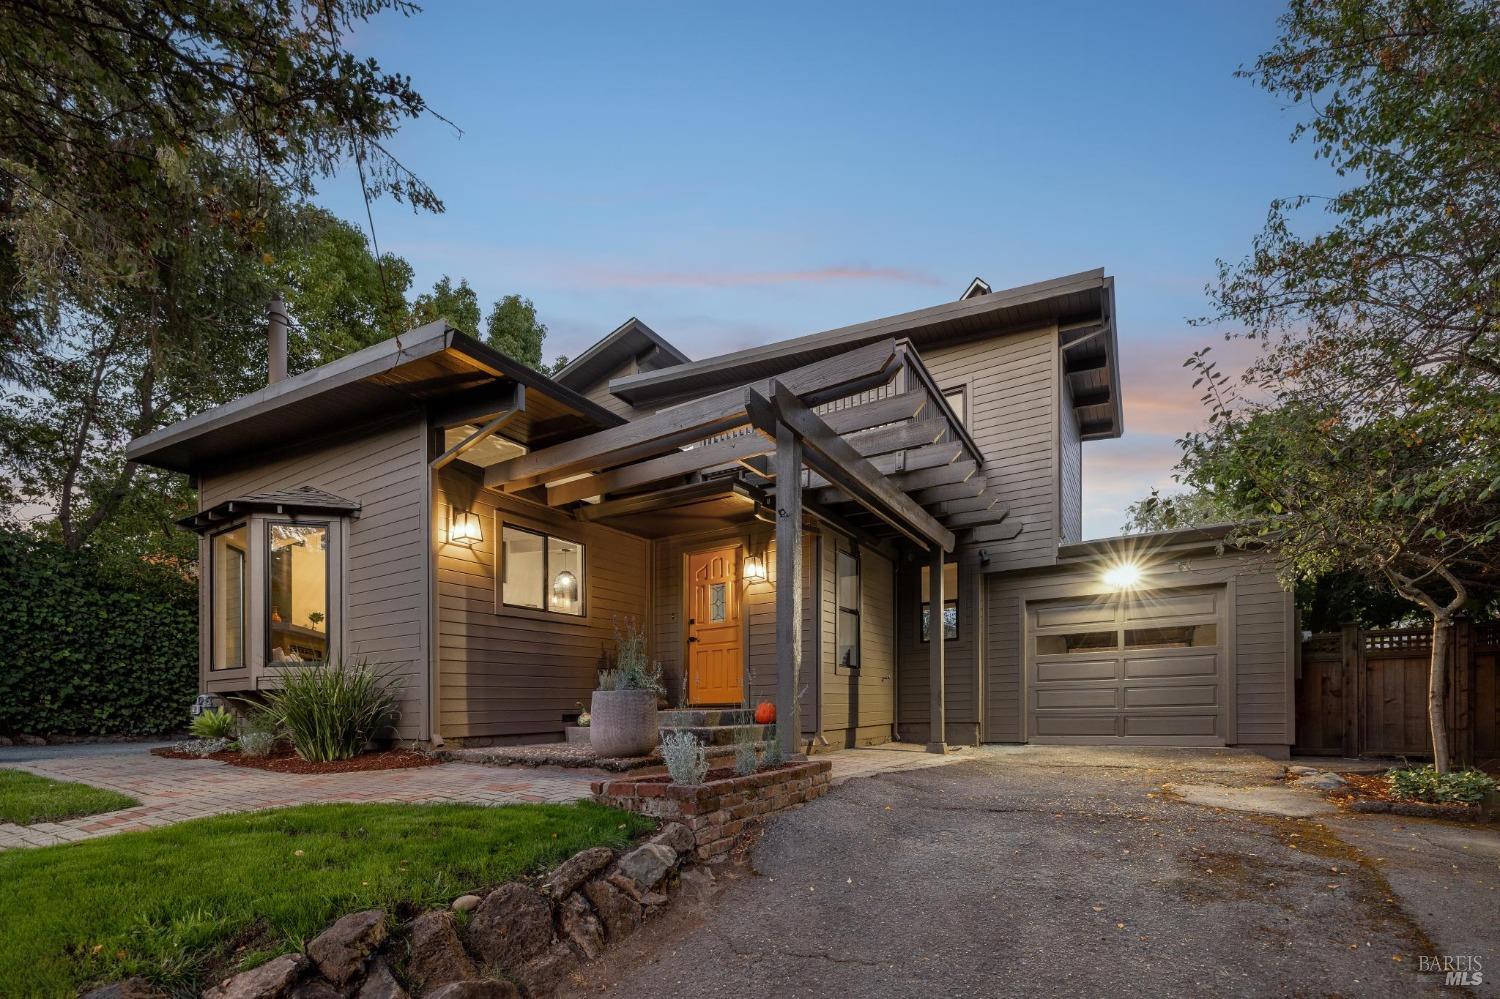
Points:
(738, 448)
(838, 461)
(885, 440)
(833, 378)
(954, 490)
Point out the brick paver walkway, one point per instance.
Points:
(176, 790)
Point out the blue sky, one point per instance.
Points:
(736, 174)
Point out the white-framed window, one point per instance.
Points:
(950, 602)
(846, 629)
(541, 572)
(229, 597)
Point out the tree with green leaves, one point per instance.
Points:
(456, 303)
(1362, 435)
(514, 330)
(153, 160)
(339, 296)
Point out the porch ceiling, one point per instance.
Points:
(883, 454)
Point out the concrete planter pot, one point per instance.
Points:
(623, 722)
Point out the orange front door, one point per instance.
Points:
(716, 665)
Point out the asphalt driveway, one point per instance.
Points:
(1069, 871)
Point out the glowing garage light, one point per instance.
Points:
(1122, 576)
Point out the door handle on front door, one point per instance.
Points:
(692, 638)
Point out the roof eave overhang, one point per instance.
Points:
(715, 371)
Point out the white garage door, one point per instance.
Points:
(1147, 669)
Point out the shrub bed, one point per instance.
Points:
(93, 644)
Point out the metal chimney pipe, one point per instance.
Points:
(276, 341)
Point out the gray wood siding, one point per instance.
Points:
(599, 392)
(963, 684)
(507, 674)
(1070, 471)
(859, 707)
(1259, 640)
(1012, 383)
(384, 467)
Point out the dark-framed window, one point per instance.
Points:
(229, 597)
(299, 590)
(950, 602)
(847, 590)
(541, 572)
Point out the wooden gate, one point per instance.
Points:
(1365, 693)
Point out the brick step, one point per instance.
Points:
(723, 735)
(704, 717)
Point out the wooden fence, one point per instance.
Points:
(1364, 693)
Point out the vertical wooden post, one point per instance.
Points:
(1460, 692)
(788, 470)
(937, 736)
(1354, 687)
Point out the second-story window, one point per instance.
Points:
(958, 399)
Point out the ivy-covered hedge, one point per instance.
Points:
(93, 645)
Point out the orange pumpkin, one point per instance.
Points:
(765, 713)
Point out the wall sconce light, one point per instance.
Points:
(755, 568)
(466, 529)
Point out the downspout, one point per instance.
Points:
(434, 535)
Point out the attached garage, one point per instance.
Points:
(1147, 668)
(1199, 651)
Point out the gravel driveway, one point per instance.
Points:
(1042, 871)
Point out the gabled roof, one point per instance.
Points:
(301, 499)
(427, 364)
(1078, 301)
(978, 286)
(631, 339)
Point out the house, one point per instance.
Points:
(782, 520)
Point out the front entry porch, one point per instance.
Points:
(756, 535)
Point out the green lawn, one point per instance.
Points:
(177, 904)
(27, 799)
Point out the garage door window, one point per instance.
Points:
(1076, 641)
(1186, 636)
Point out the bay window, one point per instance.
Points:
(297, 600)
(229, 588)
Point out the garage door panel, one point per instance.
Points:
(1052, 725)
(1157, 677)
(1100, 612)
(1078, 669)
(1189, 665)
(1171, 696)
(1156, 606)
(1171, 725)
(1053, 698)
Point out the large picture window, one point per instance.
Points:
(228, 561)
(297, 577)
(847, 628)
(950, 601)
(541, 572)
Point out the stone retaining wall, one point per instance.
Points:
(717, 811)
